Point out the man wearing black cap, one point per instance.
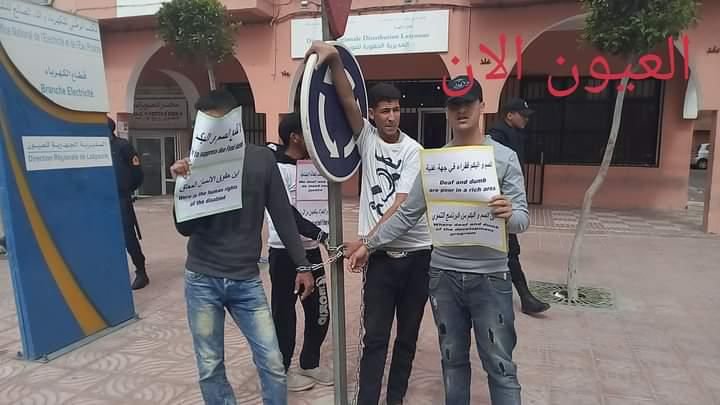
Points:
(129, 176)
(515, 115)
(470, 288)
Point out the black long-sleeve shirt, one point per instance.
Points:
(228, 244)
(128, 172)
(510, 137)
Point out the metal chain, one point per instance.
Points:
(334, 252)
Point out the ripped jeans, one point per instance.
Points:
(207, 298)
(481, 302)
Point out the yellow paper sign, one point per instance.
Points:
(458, 183)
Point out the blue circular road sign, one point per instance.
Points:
(327, 132)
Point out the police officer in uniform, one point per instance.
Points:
(129, 175)
(515, 115)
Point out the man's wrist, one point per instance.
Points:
(367, 243)
(322, 237)
(304, 269)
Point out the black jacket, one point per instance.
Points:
(510, 137)
(128, 172)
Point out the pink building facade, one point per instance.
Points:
(152, 92)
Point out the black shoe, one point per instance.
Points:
(532, 305)
(141, 280)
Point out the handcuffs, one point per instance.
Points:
(393, 254)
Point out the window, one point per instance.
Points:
(575, 129)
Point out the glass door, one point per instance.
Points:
(150, 151)
(157, 153)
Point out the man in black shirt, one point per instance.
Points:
(515, 116)
(221, 270)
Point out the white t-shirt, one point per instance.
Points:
(388, 169)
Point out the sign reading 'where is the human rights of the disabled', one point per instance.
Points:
(217, 155)
(58, 193)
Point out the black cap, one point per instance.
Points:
(461, 83)
(518, 105)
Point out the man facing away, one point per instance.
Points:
(222, 271)
(515, 116)
(282, 273)
(129, 176)
(396, 281)
(470, 288)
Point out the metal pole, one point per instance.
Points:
(337, 291)
(337, 275)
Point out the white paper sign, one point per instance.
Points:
(311, 185)
(380, 34)
(311, 194)
(458, 183)
(460, 174)
(466, 225)
(65, 152)
(60, 54)
(316, 212)
(216, 158)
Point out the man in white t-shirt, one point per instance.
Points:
(282, 275)
(396, 280)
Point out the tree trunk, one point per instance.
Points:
(211, 76)
(574, 262)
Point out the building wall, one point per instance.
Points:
(705, 121)
(263, 60)
(665, 187)
(703, 128)
(625, 187)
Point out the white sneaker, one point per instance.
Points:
(320, 375)
(297, 382)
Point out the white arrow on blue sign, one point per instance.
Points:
(328, 135)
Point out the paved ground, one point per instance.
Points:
(696, 192)
(687, 223)
(658, 346)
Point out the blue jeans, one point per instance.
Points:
(207, 298)
(483, 303)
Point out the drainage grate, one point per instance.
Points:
(589, 297)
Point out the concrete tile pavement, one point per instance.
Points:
(659, 346)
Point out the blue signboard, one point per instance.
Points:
(327, 132)
(59, 198)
